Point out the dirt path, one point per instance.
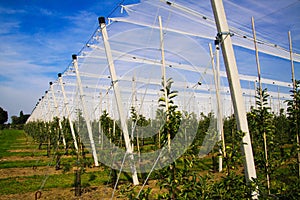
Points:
(64, 194)
(22, 158)
(41, 170)
(102, 192)
(27, 171)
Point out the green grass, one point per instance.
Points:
(16, 185)
(12, 140)
(39, 161)
(24, 184)
(23, 163)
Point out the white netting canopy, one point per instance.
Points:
(145, 52)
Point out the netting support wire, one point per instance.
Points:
(85, 112)
(216, 72)
(189, 11)
(68, 110)
(158, 157)
(235, 90)
(117, 94)
(119, 174)
(57, 115)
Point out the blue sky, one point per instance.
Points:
(38, 38)
(37, 41)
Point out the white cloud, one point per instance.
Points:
(22, 84)
(46, 12)
(10, 11)
(9, 27)
(83, 22)
(29, 61)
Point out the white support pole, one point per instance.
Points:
(43, 109)
(84, 110)
(235, 87)
(45, 102)
(219, 106)
(262, 104)
(163, 64)
(133, 105)
(220, 113)
(49, 115)
(42, 114)
(48, 119)
(292, 60)
(68, 111)
(163, 71)
(39, 107)
(57, 115)
(219, 101)
(117, 93)
(257, 59)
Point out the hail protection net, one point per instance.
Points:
(153, 90)
(196, 20)
(153, 80)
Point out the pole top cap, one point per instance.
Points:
(101, 20)
(74, 56)
(59, 75)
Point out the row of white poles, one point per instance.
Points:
(234, 85)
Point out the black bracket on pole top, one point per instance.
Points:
(74, 56)
(217, 41)
(101, 20)
(219, 36)
(50, 83)
(59, 75)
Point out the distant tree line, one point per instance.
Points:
(3, 116)
(19, 120)
(16, 122)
